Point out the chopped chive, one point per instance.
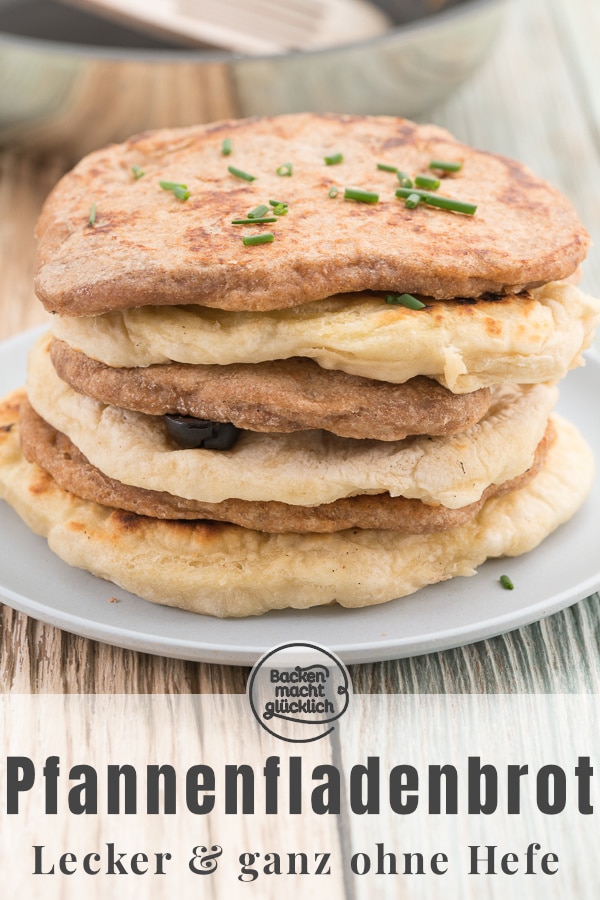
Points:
(333, 192)
(285, 169)
(423, 181)
(404, 179)
(445, 166)
(335, 159)
(405, 300)
(181, 192)
(506, 583)
(226, 147)
(281, 209)
(258, 212)
(278, 203)
(178, 190)
(239, 173)
(459, 206)
(442, 202)
(171, 185)
(92, 218)
(250, 239)
(258, 220)
(137, 172)
(385, 168)
(360, 196)
(412, 201)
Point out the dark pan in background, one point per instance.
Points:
(70, 81)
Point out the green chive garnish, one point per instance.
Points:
(334, 159)
(280, 207)
(226, 147)
(360, 195)
(258, 212)
(404, 179)
(285, 169)
(506, 583)
(171, 185)
(137, 172)
(442, 202)
(412, 201)
(92, 218)
(405, 300)
(178, 190)
(258, 220)
(333, 192)
(385, 168)
(239, 173)
(445, 166)
(423, 181)
(250, 239)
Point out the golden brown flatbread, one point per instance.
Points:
(284, 396)
(146, 247)
(305, 468)
(58, 456)
(225, 570)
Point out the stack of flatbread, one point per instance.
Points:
(355, 406)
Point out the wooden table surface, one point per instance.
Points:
(535, 99)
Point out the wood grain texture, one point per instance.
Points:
(536, 99)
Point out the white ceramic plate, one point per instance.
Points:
(564, 569)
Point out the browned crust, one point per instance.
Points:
(280, 396)
(147, 248)
(9, 413)
(57, 455)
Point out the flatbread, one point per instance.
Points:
(225, 570)
(149, 248)
(284, 395)
(463, 346)
(306, 468)
(58, 456)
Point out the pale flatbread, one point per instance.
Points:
(464, 346)
(306, 468)
(149, 248)
(58, 456)
(226, 570)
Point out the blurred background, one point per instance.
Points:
(519, 78)
(77, 74)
